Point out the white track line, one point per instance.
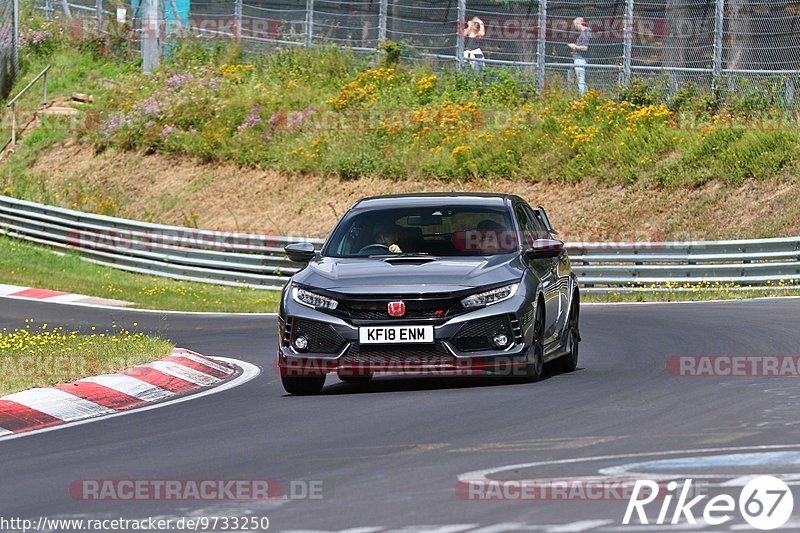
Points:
(576, 527)
(249, 372)
(733, 300)
(58, 404)
(135, 310)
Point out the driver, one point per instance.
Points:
(388, 236)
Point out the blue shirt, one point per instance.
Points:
(583, 40)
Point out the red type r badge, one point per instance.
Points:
(397, 308)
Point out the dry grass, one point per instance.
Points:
(226, 196)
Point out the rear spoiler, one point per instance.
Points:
(542, 215)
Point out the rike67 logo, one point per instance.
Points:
(765, 503)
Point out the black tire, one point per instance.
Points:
(303, 385)
(534, 370)
(569, 361)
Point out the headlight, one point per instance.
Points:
(311, 299)
(490, 297)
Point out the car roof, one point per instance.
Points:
(434, 199)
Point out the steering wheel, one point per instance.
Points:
(377, 247)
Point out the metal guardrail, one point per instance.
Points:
(254, 260)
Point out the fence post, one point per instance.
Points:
(627, 45)
(382, 20)
(462, 18)
(151, 49)
(719, 22)
(15, 40)
(98, 10)
(237, 14)
(14, 124)
(66, 9)
(48, 9)
(309, 22)
(541, 46)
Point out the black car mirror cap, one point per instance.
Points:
(300, 252)
(544, 248)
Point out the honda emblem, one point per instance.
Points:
(397, 308)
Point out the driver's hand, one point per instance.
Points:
(395, 249)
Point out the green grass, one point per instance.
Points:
(33, 266)
(38, 356)
(327, 111)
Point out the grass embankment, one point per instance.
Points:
(38, 356)
(329, 112)
(326, 111)
(28, 265)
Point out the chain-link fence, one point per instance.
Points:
(740, 48)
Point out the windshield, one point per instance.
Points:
(442, 231)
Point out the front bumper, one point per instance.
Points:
(334, 343)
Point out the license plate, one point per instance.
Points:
(395, 334)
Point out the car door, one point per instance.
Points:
(544, 268)
(561, 267)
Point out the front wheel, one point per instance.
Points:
(534, 370)
(303, 385)
(569, 361)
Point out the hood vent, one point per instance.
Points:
(409, 260)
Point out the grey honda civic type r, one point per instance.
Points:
(452, 284)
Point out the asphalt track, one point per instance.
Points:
(389, 453)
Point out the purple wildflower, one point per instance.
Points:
(114, 124)
(253, 119)
(150, 107)
(277, 120)
(176, 81)
(168, 129)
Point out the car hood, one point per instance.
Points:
(376, 275)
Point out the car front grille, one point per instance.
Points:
(369, 314)
(399, 357)
(416, 307)
(322, 338)
(477, 335)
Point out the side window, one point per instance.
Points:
(526, 225)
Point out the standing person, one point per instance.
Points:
(580, 49)
(474, 31)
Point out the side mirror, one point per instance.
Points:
(300, 252)
(544, 248)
